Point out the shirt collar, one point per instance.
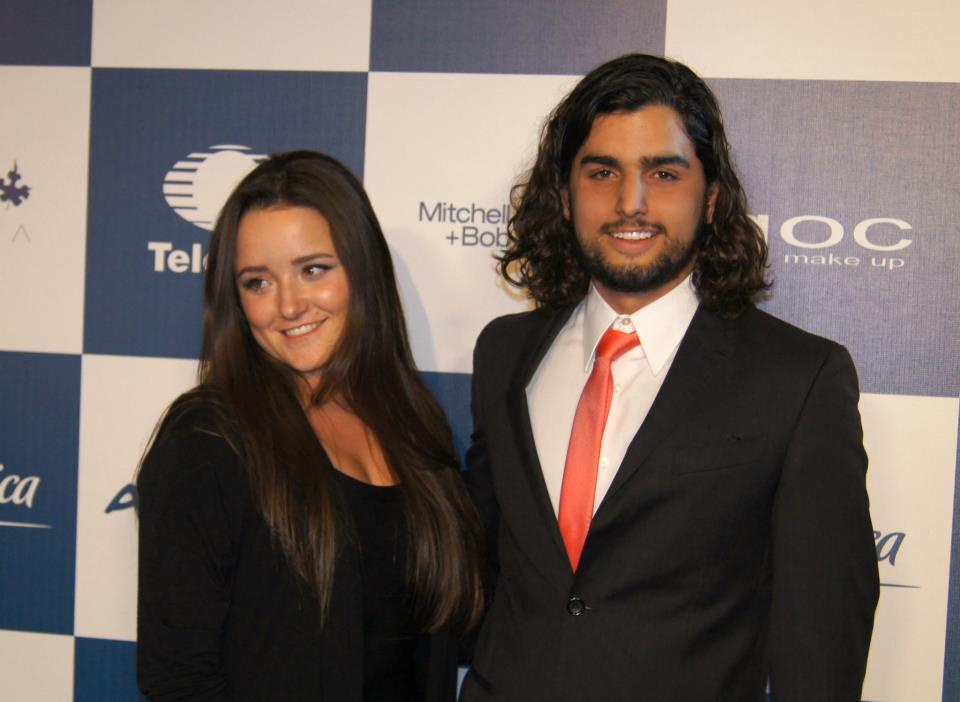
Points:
(659, 325)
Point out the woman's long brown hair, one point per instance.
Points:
(256, 407)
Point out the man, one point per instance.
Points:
(672, 479)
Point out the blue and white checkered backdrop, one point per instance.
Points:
(124, 123)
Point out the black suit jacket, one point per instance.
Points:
(734, 545)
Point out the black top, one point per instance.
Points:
(221, 616)
(388, 630)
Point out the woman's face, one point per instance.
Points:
(292, 286)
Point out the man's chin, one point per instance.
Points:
(639, 279)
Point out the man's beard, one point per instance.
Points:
(672, 261)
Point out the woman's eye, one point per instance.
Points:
(316, 269)
(253, 284)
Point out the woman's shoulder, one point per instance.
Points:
(193, 493)
(194, 437)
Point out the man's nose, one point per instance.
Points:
(632, 196)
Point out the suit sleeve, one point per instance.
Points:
(188, 513)
(478, 477)
(825, 581)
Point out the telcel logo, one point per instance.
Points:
(18, 490)
(196, 188)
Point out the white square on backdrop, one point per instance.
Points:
(912, 445)
(36, 666)
(883, 40)
(121, 399)
(442, 152)
(283, 35)
(45, 123)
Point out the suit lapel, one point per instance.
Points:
(698, 371)
(528, 362)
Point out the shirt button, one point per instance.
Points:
(604, 462)
(617, 387)
(575, 606)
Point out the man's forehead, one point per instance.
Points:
(652, 124)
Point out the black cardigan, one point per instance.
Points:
(220, 614)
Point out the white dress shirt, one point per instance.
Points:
(556, 386)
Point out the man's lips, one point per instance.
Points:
(632, 231)
(632, 234)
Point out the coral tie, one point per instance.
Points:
(579, 486)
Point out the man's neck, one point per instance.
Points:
(630, 302)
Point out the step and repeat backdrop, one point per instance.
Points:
(124, 124)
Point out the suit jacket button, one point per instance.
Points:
(575, 606)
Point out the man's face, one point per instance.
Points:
(637, 197)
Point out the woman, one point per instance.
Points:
(304, 532)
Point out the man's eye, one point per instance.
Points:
(601, 173)
(664, 175)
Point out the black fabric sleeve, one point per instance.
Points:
(191, 488)
(478, 478)
(825, 580)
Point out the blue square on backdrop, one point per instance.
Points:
(45, 32)
(39, 445)
(166, 148)
(452, 391)
(857, 182)
(105, 670)
(566, 37)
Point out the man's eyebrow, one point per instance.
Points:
(646, 162)
(671, 160)
(598, 160)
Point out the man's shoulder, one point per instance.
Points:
(783, 346)
(768, 330)
(508, 339)
(515, 328)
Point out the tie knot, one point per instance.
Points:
(615, 343)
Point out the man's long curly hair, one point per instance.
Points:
(543, 255)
